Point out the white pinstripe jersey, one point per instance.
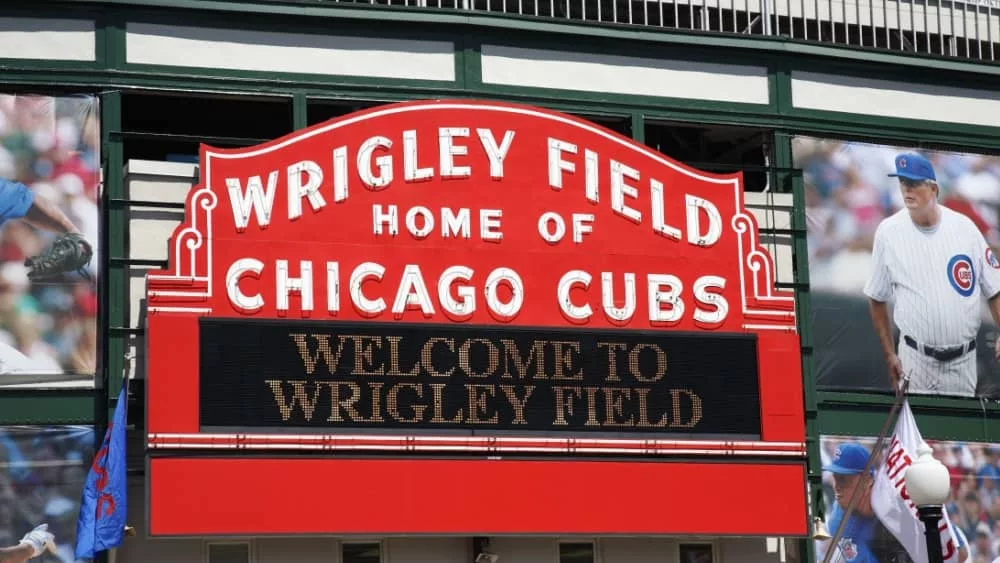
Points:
(935, 276)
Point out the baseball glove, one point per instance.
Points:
(68, 253)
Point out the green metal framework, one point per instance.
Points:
(111, 76)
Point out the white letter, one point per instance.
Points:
(383, 163)
(659, 215)
(333, 287)
(566, 283)
(694, 221)
(339, 174)
(702, 294)
(608, 297)
(244, 303)
(493, 152)
(255, 199)
(590, 160)
(557, 164)
(285, 285)
(449, 150)
(543, 227)
(510, 309)
(581, 225)
(410, 170)
(296, 189)
(412, 291)
(411, 221)
(391, 219)
(358, 276)
(467, 305)
(489, 224)
(671, 296)
(496, 154)
(452, 225)
(619, 189)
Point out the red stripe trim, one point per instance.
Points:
(314, 442)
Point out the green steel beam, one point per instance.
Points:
(116, 237)
(469, 62)
(300, 111)
(638, 125)
(862, 414)
(47, 406)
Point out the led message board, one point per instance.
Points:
(287, 374)
(473, 280)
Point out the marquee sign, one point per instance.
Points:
(464, 278)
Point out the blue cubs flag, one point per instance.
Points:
(101, 523)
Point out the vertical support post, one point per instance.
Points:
(300, 111)
(114, 240)
(787, 179)
(639, 127)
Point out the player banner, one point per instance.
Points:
(49, 220)
(42, 473)
(883, 520)
(916, 233)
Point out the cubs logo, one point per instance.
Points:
(902, 163)
(992, 260)
(849, 549)
(961, 275)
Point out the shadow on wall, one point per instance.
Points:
(847, 355)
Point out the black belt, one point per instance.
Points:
(941, 354)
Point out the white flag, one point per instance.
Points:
(892, 504)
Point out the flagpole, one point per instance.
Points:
(856, 495)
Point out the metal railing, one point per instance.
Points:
(949, 28)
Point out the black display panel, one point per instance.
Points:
(301, 375)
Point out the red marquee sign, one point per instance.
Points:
(428, 302)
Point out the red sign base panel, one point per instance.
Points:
(469, 317)
(470, 497)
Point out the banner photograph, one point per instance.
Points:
(902, 267)
(49, 189)
(42, 474)
(875, 528)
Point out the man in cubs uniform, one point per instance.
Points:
(935, 264)
(860, 541)
(848, 470)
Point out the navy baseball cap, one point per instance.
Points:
(914, 167)
(850, 459)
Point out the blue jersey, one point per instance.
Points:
(15, 200)
(854, 542)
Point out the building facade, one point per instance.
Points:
(107, 106)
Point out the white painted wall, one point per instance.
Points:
(149, 231)
(885, 98)
(571, 70)
(269, 51)
(48, 39)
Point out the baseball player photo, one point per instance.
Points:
(935, 267)
(68, 253)
(49, 221)
(855, 543)
(864, 538)
(36, 542)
